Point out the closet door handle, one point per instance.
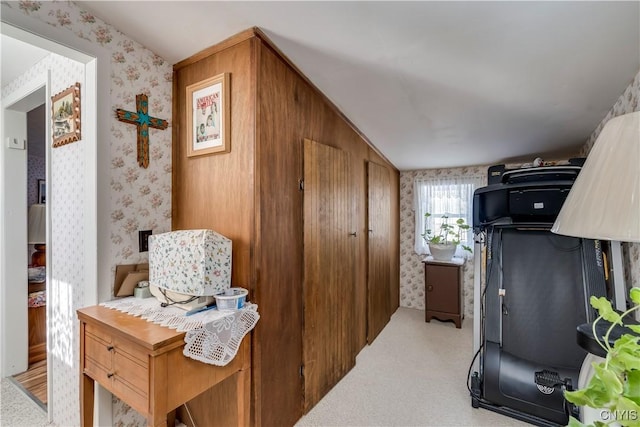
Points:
(110, 348)
(110, 374)
(429, 288)
(354, 234)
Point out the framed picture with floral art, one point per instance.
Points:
(65, 116)
(208, 117)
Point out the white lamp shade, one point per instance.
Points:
(37, 232)
(604, 202)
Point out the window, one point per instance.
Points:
(444, 196)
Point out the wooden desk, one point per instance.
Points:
(142, 364)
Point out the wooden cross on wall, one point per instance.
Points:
(142, 120)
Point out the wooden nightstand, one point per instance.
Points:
(37, 326)
(143, 365)
(443, 291)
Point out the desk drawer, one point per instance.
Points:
(97, 372)
(97, 353)
(98, 333)
(133, 351)
(132, 396)
(131, 372)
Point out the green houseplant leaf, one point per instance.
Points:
(447, 233)
(615, 385)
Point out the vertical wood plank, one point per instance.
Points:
(379, 249)
(217, 191)
(329, 269)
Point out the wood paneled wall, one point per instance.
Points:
(252, 195)
(216, 191)
(394, 178)
(302, 112)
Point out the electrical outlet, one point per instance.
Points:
(143, 240)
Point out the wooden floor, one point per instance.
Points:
(34, 381)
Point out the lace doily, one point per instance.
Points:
(212, 336)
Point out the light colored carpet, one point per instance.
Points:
(16, 409)
(414, 374)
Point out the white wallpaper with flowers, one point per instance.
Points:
(411, 266)
(140, 199)
(628, 102)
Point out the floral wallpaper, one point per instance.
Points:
(411, 266)
(628, 102)
(139, 199)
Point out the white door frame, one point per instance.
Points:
(96, 103)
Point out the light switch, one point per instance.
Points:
(143, 240)
(15, 143)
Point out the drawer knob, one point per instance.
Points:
(110, 374)
(430, 288)
(110, 347)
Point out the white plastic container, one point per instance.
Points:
(232, 299)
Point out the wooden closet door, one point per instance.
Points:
(329, 256)
(379, 250)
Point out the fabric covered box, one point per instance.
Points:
(191, 262)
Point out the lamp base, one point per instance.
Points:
(39, 257)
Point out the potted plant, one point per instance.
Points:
(615, 386)
(443, 243)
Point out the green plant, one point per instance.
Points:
(615, 386)
(447, 233)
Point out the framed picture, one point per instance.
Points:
(65, 116)
(208, 116)
(42, 191)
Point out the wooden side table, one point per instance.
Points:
(37, 318)
(142, 364)
(443, 291)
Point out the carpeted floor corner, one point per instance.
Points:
(413, 374)
(16, 409)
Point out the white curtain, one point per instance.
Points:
(452, 196)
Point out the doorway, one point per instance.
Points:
(72, 282)
(25, 163)
(34, 379)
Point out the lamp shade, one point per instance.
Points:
(604, 201)
(37, 232)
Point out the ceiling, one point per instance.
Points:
(17, 57)
(431, 84)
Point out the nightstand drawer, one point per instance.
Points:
(133, 351)
(132, 395)
(97, 352)
(97, 371)
(131, 372)
(99, 334)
